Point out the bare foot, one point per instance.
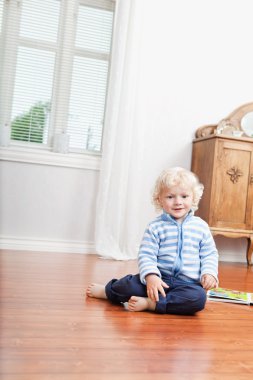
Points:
(96, 291)
(140, 304)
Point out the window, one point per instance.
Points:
(1, 14)
(55, 69)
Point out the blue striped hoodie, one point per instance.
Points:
(172, 248)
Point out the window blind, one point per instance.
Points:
(1, 14)
(89, 77)
(56, 68)
(35, 47)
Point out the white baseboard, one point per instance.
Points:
(32, 244)
(233, 257)
(84, 247)
(231, 250)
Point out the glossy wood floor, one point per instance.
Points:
(50, 331)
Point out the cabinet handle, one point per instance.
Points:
(251, 179)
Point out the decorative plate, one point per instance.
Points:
(247, 124)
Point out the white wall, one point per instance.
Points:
(196, 68)
(47, 207)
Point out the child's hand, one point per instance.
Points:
(155, 285)
(208, 282)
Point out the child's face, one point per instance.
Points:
(176, 201)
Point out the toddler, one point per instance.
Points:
(178, 259)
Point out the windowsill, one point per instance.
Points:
(45, 157)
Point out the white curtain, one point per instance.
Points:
(117, 229)
(176, 90)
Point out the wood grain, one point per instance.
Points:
(50, 331)
(224, 165)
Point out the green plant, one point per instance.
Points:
(30, 125)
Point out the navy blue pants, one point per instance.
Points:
(182, 297)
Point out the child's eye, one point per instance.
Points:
(185, 196)
(169, 196)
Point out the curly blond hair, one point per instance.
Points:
(177, 177)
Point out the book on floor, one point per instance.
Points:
(228, 295)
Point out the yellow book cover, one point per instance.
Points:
(229, 295)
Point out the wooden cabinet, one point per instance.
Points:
(224, 164)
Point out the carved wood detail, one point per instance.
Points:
(234, 173)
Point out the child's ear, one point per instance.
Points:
(159, 201)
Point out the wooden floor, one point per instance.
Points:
(50, 331)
